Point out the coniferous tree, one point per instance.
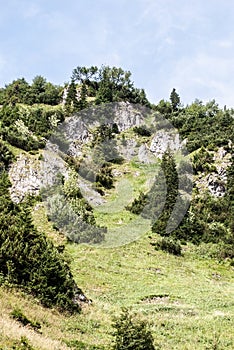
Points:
(82, 103)
(169, 170)
(175, 100)
(71, 103)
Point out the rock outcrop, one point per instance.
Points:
(25, 176)
(215, 182)
(165, 139)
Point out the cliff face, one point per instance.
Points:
(30, 173)
(25, 176)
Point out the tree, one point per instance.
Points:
(164, 107)
(71, 103)
(169, 172)
(82, 103)
(175, 100)
(109, 84)
(84, 74)
(132, 333)
(16, 92)
(38, 88)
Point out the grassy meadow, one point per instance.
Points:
(188, 300)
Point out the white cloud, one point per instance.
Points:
(207, 75)
(224, 44)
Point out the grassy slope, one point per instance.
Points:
(192, 305)
(192, 308)
(197, 306)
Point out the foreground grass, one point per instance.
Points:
(188, 300)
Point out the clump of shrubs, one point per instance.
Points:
(131, 332)
(169, 245)
(142, 131)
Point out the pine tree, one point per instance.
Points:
(169, 170)
(71, 103)
(82, 103)
(175, 100)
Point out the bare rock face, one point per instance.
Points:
(163, 140)
(28, 174)
(126, 116)
(128, 149)
(144, 155)
(25, 176)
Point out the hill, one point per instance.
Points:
(106, 197)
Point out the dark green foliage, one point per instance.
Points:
(109, 84)
(104, 153)
(45, 92)
(6, 156)
(175, 100)
(229, 200)
(169, 245)
(16, 92)
(164, 107)
(142, 131)
(138, 204)
(159, 202)
(208, 220)
(202, 161)
(82, 103)
(40, 91)
(104, 133)
(86, 75)
(104, 177)
(168, 186)
(230, 182)
(132, 333)
(27, 127)
(71, 103)
(28, 259)
(204, 125)
(19, 316)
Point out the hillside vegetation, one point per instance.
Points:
(134, 219)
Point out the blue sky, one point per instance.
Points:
(186, 44)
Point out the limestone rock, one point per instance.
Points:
(216, 181)
(163, 140)
(25, 178)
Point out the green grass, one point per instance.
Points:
(199, 306)
(188, 300)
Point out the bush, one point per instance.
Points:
(169, 245)
(28, 259)
(142, 131)
(131, 333)
(138, 204)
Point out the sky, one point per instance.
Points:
(183, 44)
